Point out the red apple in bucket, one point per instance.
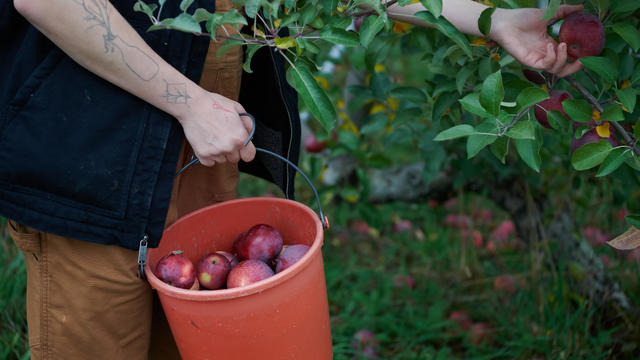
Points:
(176, 270)
(248, 272)
(261, 242)
(212, 270)
(233, 261)
(289, 256)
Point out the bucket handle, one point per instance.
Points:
(323, 218)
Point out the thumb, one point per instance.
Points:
(565, 10)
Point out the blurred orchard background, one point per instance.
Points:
(489, 245)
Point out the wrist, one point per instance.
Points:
(499, 21)
(193, 100)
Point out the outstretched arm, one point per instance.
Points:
(95, 35)
(519, 31)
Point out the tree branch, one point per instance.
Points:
(593, 101)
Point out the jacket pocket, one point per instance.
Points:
(25, 238)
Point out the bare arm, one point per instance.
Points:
(95, 35)
(519, 31)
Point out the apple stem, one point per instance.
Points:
(371, 12)
(593, 101)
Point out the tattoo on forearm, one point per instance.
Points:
(176, 93)
(139, 62)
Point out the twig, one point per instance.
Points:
(372, 11)
(593, 101)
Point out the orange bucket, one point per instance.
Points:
(283, 317)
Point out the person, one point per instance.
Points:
(97, 116)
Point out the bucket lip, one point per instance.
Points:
(260, 286)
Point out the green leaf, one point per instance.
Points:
(285, 42)
(529, 151)
(329, 6)
(578, 110)
(184, 22)
(477, 142)
(629, 33)
(530, 96)
(444, 26)
(201, 15)
(612, 112)
(251, 8)
(471, 103)
(623, 6)
(340, 36)
(601, 65)
(227, 45)
(455, 132)
(371, 26)
(500, 148)
(434, 6)
(184, 4)
(251, 50)
(462, 76)
(492, 93)
(633, 220)
(233, 17)
(313, 96)
(552, 8)
(590, 155)
(409, 93)
(442, 103)
(613, 161)
(140, 6)
(628, 97)
(484, 21)
(523, 129)
(557, 120)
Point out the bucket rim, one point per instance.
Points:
(260, 286)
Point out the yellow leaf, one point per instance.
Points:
(627, 241)
(495, 57)
(603, 130)
(377, 108)
(322, 81)
(258, 32)
(285, 43)
(544, 87)
(277, 22)
(393, 103)
(479, 41)
(596, 115)
(625, 84)
(378, 68)
(340, 104)
(625, 109)
(400, 27)
(341, 8)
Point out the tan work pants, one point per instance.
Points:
(84, 300)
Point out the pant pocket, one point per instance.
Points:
(25, 238)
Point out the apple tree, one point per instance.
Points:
(459, 111)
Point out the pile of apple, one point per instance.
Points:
(257, 254)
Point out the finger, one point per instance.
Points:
(565, 10)
(570, 69)
(248, 152)
(233, 157)
(549, 57)
(248, 124)
(206, 162)
(561, 59)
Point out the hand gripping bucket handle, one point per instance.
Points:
(323, 219)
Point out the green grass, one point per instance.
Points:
(543, 319)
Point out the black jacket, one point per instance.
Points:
(81, 158)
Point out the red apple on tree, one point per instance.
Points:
(312, 145)
(535, 76)
(554, 102)
(593, 135)
(176, 270)
(289, 256)
(212, 270)
(261, 242)
(583, 33)
(248, 272)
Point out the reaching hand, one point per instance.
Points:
(216, 132)
(524, 35)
